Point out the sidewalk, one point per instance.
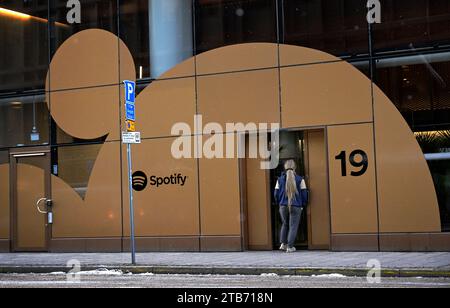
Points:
(244, 263)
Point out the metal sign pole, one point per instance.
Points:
(131, 137)
(130, 180)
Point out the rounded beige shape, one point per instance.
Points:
(83, 84)
(317, 95)
(326, 93)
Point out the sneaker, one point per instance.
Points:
(290, 250)
(283, 247)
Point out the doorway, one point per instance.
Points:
(30, 200)
(262, 223)
(292, 146)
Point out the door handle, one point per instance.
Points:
(38, 205)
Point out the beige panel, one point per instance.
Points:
(163, 104)
(31, 231)
(220, 197)
(296, 55)
(258, 206)
(240, 97)
(87, 113)
(408, 201)
(99, 215)
(324, 94)
(87, 59)
(4, 201)
(237, 58)
(170, 210)
(353, 199)
(319, 206)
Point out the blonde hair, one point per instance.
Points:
(291, 183)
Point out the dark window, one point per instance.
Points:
(24, 121)
(419, 85)
(413, 24)
(227, 22)
(438, 143)
(158, 33)
(338, 27)
(23, 45)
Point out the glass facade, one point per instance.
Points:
(226, 22)
(422, 24)
(158, 33)
(74, 164)
(24, 121)
(24, 52)
(408, 56)
(336, 27)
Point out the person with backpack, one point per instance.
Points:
(291, 194)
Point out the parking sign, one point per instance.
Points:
(130, 92)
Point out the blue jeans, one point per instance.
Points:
(291, 222)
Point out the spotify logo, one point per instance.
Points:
(139, 181)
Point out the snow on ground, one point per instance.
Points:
(329, 276)
(269, 275)
(98, 272)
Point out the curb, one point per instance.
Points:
(184, 270)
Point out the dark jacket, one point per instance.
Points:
(300, 200)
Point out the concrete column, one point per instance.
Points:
(171, 37)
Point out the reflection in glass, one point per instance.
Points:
(24, 121)
(159, 34)
(419, 86)
(24, 45)
(227, 22)
(74, 164)
(338, 27)
(419, 23)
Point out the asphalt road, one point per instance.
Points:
(119, 280)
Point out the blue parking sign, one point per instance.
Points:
(130, 91)
(131, 112)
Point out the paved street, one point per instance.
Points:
(302, 259)
(119, 280)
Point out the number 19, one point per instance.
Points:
(362, 162)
